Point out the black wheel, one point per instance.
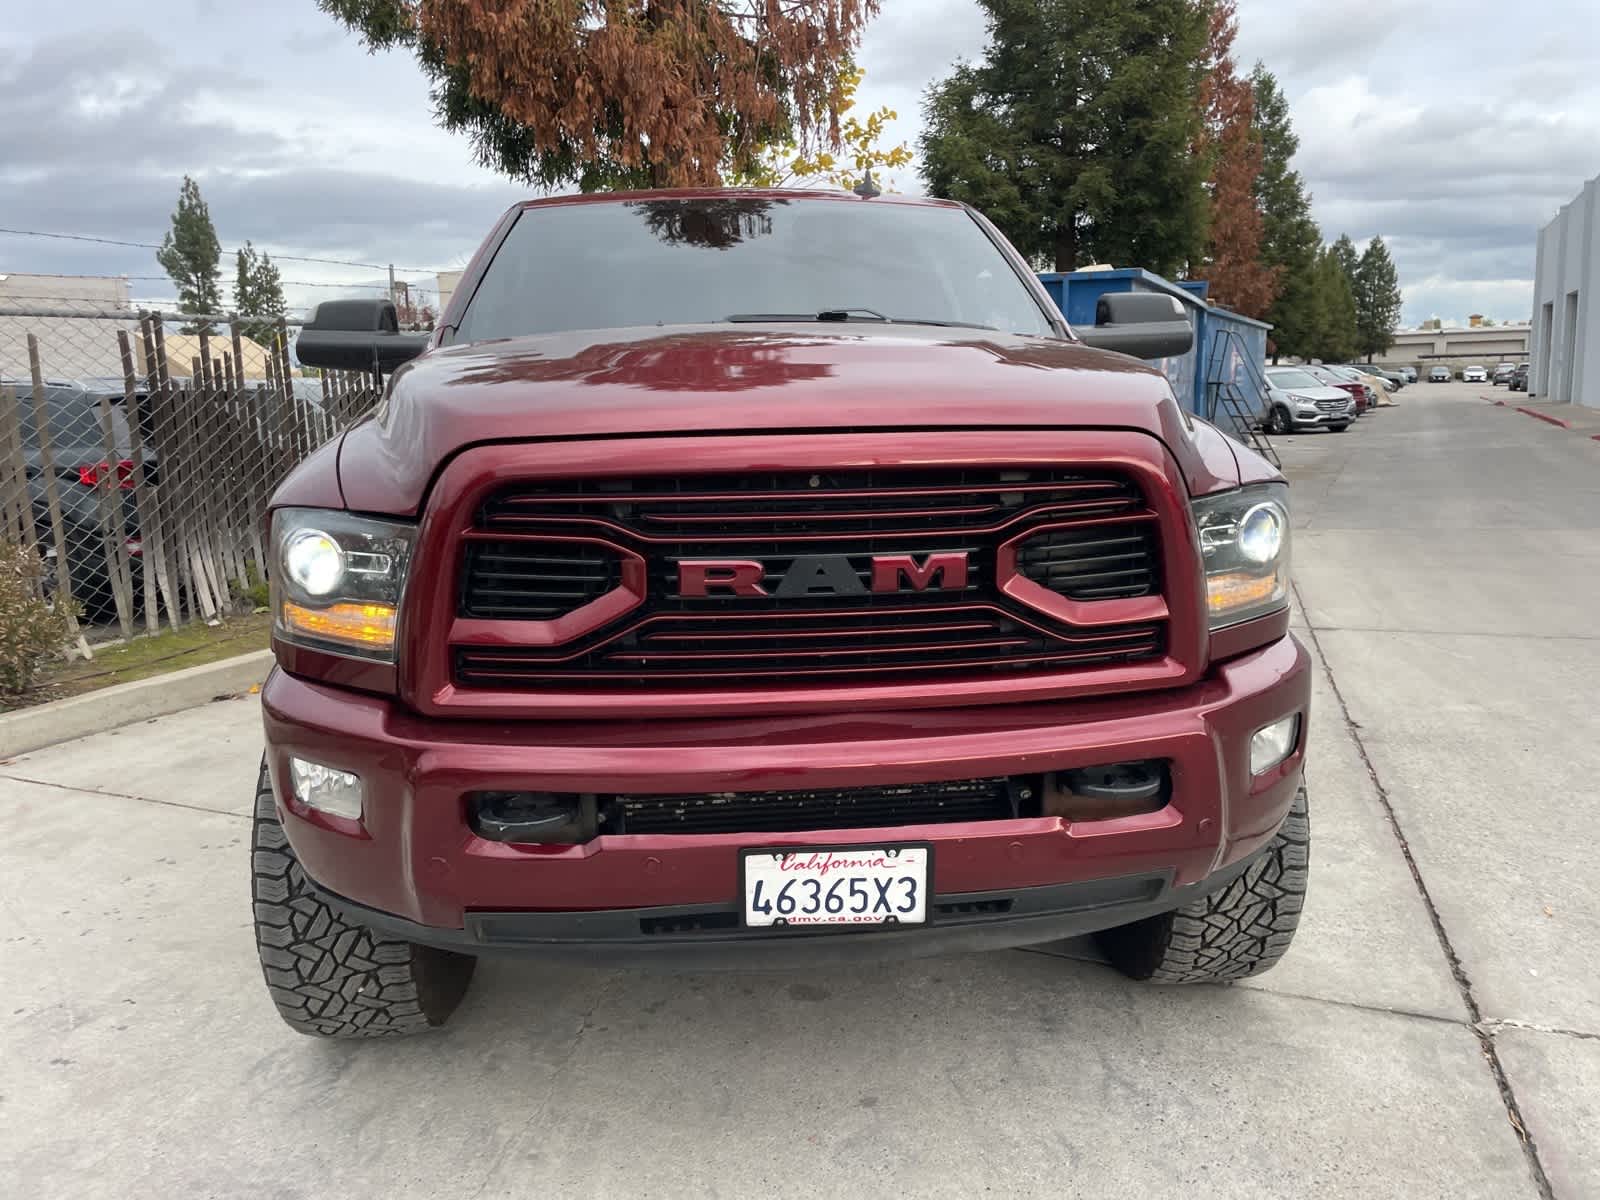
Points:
(329, 976)
(1338, 428)
(1239, 931)
(1278, 423)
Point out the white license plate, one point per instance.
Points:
(875, 885)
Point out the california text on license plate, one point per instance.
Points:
(873, 885)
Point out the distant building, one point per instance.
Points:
(1460, 346)
(70, 347)
(448, 282)
(1566, 304)
(109, 291)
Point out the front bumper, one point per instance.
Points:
(413, 863)
(1305, 420)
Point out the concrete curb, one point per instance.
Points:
(62, 720)
(1546, 417)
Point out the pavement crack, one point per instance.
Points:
(585, 1023)
(1458, 973)
(1493, 1025)
(68, 787)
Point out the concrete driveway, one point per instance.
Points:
(1441, 999)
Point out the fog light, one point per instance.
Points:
(1273, 743)
(337, 793)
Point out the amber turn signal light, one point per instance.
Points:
(367, 625)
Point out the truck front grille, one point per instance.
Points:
(541, 552)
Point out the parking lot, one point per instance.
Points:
(1442, 992)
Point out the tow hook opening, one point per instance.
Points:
(1099, 793)
(561, 818)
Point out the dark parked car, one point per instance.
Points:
(1519, 378)
(78, 452)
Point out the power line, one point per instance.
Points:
(316, 283)
(332, 262)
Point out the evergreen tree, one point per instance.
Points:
(190, 253)
(1290, 239)
(1344, 251)
(1377, 299)
(1334, 337)
(1075, 133)
(257, 292)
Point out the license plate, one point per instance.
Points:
(859, 886)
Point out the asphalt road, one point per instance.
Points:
(1443, 990)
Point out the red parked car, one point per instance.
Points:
(769, 577)
(1364, 398)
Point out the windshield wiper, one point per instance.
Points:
(847, 314)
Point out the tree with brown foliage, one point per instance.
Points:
(1231, 145)
(626, 93)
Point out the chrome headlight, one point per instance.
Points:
(338, 579)
(1244, 543)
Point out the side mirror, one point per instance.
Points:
(357, 335)
(1141, 324)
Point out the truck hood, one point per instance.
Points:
(758, 379)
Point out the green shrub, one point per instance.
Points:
(30, 633)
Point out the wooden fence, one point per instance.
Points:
(147, 495)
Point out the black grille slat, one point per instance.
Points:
(800, 811)
(532, 581)
(1077, 563)
(862, 501)
(627, 666)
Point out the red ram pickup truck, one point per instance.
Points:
(738, 578)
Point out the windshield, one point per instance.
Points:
(1293, 379)
(706, 260)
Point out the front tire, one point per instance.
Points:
(328, 975)
(1278, 423)
(1236, 932)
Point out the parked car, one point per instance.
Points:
(78, 453)
(1297, 400)
(1438, 374)
(1393, 379)
(1519, 379)
(693, 498)
(1503, 373)
(1378, 387)
(1474, 375)
(1340, 378)
(1409, 374)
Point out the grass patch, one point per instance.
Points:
(144, 657)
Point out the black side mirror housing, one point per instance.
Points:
(1140, 324)
(357, 335)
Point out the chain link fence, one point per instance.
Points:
(138, 451)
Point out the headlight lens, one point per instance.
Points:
(339, 579)
(314, 561)
(1244, 541)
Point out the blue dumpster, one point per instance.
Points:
(1229, 353)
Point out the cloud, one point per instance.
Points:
(1454, 137)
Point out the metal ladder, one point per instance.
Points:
(1242, 403)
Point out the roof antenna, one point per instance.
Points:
(867, 189)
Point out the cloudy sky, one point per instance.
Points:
(1451, 134)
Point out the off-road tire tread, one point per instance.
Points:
(328, 976)
(1233, 933)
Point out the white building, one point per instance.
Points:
(1566, 304)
